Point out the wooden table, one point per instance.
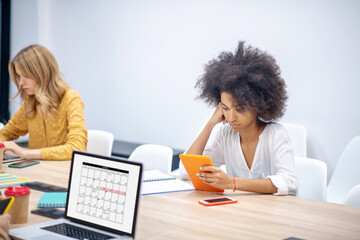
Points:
(255, 216)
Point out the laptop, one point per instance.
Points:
(102, 201)
(7, 158)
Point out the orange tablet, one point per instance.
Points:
(192, 164)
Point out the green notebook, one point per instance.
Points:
(52, 200)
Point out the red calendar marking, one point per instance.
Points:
(112, 190)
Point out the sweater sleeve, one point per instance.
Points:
(76, 138)
(16, 127)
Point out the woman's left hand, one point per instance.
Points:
(16, 149)
(216, 177)
(4, 222)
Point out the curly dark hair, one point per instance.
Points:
(251, 77)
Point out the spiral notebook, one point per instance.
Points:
(52, 200)
(156, 175)
(155, 182)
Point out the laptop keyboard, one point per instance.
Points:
(76, 232)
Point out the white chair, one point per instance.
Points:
(100, 142)
(153, 156)
(347, 172)
(353, 197)
(298, 135)
(312, 178)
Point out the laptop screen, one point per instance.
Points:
(103, 192)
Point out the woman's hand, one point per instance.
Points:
(4, 222)
(197, 148)
(16, 149)
(217, 116)
(23, 152)
(216, 177)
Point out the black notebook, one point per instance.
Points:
(49, 212)
(44, 187)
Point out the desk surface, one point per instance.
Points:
(255, 216)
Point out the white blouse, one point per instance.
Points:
(274, 157)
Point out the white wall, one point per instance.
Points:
(135, 63)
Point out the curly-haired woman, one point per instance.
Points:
(250, 96)
(51, 112)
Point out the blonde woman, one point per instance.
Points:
(51, 112)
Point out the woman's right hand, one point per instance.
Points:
(14, 148)
(197, 148)
(217, 116)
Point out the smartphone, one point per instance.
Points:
(5, 204)
(217, 201)
(24, 163)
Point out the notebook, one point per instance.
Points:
(44, 187)
(52, 200)
(7, 180)
(102, 201)
(155, 182)
(156, 175)
(49, 212)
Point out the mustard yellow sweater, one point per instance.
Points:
(58, 135)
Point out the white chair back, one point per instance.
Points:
(298, 135)
(353, 197)
(153, 156)
(100, 142)
(346, 173)
(1, 125)
(312, 178)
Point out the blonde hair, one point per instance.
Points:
(38, 63)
